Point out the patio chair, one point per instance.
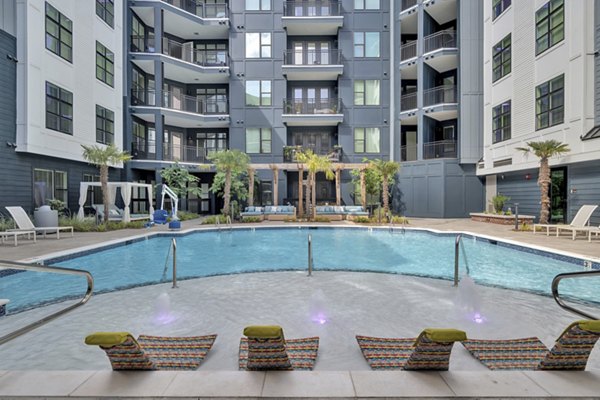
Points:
(24, 223)
(265, 348)
(429, 351)
(579, 222)
(8, 234)
(152, 352)
(570, 352)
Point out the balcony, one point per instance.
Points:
(408, 60)
(440, 103)
(312, 112)
(289, 153)
(146, 150)
(408, 152)
(408, 16)
(312, 18)
(442, 11)
(312, 65)
(201, 9)
(181, 62)
(440, 51)
(439, 149)
(180, 110)
(408, 108)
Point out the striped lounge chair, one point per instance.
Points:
(570, 352)
(430, 351)
(265, 348)
(152, 352)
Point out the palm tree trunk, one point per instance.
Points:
(308, 195)
(544, 183)
(227, 192)
(363, 189)
(250, 187)
(386, 194)
(313, 183)
(300, 178)
(104, 185)
(275, 186)
(338, 187)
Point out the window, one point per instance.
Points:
(258, 45)
(258, 140)
(549, 25)
(94, 193)
(501, 122)
(138, 35)
(105, 67)
(550, 103)
(498, 7)
(105, 125)
(105, 9)
(502, 58)
(366, 140)
(366, 44)
(59, 109)
(366, 4)
(59, 33)
(49, 185)
(258, 93)
(366, 93)
(255, 5)
(209, 142)
(214, 100)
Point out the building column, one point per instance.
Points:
(300, 187)
(363, 189)
(250, 186)
(275, 186)
(338, 186)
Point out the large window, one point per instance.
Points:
(105, 125)
(366, 140)
(49, 185)
(550, 103)
(258, 45)
(258, 140)
(501, 122)
(105, 65)
(258, 93)
(502, 58)
(59, 33)
(94, 193)
(255, 5)
(366, 4)
(138, 35)
(549, 25)
(366, 44)
(498, 7)
(366, 92)
(105, 9)
(59, 109)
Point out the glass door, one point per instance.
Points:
(558, 195)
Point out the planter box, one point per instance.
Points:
(501, 219)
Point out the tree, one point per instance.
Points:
(544, 150)
(369, 185)
(232, 163)
(178, 179)
(101, 157)
(315, 163)
(386, 170)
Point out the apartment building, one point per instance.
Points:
(61, 73)
(540, 70)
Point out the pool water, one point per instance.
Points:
(251, 250)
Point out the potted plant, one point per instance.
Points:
(498, 202)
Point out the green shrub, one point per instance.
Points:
(321, 219)
(6, 223)
(397, 219)
(290, 219)
(186, 215)
(212, 219)
(525, 227)
(89, 225)
(498, 202)
(362, 220)
(251, 219)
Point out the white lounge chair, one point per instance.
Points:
(24, 223)
(578, 224)
(7, 234)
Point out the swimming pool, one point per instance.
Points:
(207, 253)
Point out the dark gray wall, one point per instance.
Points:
(597, 62)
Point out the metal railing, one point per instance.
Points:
(146, 150)
(440, 149)
(406, 4)
(53, 316)
(334, 155)
(310, 255)
(312, 57)
(201, 9)
(439, 95)
(408, 152)
(408, 50)
(408, 101)
(322, 8)
(439, 40)
(182, 51)
(180, 102)
(556, 295)
(312, 106)
(457, 243)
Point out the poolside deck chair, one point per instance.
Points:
(265, 348)
(570, 352)
(579, 221)
(14, 234)
(152, 352)
(24, 223)
(429, 351)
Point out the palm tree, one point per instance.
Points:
(544, 150)
(315, 163)
(101, 157)
(232, 163)
(386, 170)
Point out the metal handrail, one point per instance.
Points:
(41, 268)
(312, 57)
(439, 40)
(310, 256)
(408, 50)
(457, 242)
(556, 295)
(174, 246)
(331, 8)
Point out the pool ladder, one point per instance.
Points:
(310, 255)
(556, 295)
(227, 222)
(457, 246)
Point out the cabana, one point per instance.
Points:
(126, 188)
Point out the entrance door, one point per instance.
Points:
(318, 142)
(558, 195)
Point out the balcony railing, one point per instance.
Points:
(408, 152)
(439, 149)
(182, 51)
(146, 150)
(408, 101)
(312, 8)
(406, 4)
(312, 57)
(201, 9)
(179, 102)
(312, 106)
(440, 40)
(408, 50)
(334, 154)
(439, 95)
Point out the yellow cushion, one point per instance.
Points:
(445, 335)
(264, 331)
(590, 325)
(107, 339)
